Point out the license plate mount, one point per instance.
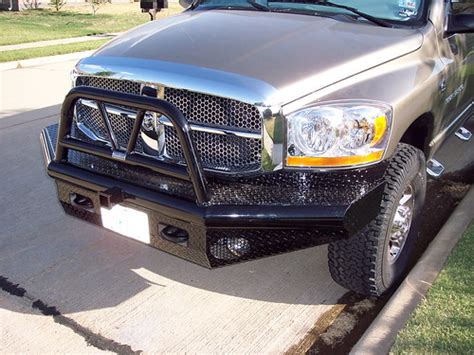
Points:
(127, 221)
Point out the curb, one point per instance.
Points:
(18, 64)
(380, 336)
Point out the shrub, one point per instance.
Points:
(97, 4)
(57, 4)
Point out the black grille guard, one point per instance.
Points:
(193, 171)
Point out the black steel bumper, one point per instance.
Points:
(225, 221)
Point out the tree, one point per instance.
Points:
(57, 4)
(97, 4)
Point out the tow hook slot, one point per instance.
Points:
(173, 234)
(81, 201)
(111, 197)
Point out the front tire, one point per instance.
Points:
(375, 259)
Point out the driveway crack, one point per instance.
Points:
(93, 339)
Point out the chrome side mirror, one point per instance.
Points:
(185, 3)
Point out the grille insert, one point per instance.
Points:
(125, 86)
(122, 127)
(92, 119)
(220, 152)
(214, 110)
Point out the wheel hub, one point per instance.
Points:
(401, 224)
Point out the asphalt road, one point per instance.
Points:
(110, 293)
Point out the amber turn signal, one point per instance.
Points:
(334, 161)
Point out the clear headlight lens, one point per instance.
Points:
(316, 132)
(338, 134)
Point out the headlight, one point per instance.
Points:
(338, 134)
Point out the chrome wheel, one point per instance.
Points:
(401, 224)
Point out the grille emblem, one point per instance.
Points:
(153, 131)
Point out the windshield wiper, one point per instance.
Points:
(193, 5)
(261, 7)
(258, 6)
(371, 18)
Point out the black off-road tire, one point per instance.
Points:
(361, 262)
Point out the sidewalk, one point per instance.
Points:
(53, 42)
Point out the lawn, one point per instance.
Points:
(72, 21)
(8, 56)
(444, 322)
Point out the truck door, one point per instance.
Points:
(457, 86)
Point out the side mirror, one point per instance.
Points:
(460, 23)
(185, 3)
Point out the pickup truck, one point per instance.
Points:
(239, 129)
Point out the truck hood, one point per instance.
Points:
(253, 56)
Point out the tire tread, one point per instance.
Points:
(355, 263)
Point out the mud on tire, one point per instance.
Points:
(363, 263)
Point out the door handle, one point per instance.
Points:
(443, 85)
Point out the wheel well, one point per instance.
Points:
(419, 133)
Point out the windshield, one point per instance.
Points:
(403, 12)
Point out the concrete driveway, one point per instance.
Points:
(110, 293)
(23, 90)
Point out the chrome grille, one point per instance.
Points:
(225, 153)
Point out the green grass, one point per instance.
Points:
(45, 24)
(8, 56)
(444, 322)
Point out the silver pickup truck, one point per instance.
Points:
(239, 129)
